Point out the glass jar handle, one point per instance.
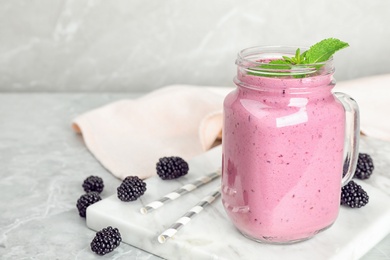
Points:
(352, 134)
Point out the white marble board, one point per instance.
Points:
(210, 235)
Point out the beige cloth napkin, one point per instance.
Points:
(129, 136)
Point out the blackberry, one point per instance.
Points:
(353, 195)
(364, 167)
(106, 240)
(93, 183)
(85, 200)
(131, 188)
(173, 167)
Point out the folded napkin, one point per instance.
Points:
(129, 136)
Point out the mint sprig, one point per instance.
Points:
(323, 50)
(298, 59)
(318, 53)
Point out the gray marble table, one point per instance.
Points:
(42, 165)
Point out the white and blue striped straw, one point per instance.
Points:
(180, 191)
(172, 230)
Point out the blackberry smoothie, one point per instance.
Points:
(283, 144)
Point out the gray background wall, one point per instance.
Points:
(140, 45)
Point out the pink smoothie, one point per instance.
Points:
(282, 156)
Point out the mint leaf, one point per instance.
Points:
(273, 68)
(323, 50)
(277, 65)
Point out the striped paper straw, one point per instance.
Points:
(181, 191)
(172, 230)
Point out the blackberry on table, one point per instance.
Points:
(106, 240)
(86, 200)
(131, 188)
(93, 183)
(353, 195)
(364, 167)
(173, 167)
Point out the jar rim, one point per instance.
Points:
(254, 59)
